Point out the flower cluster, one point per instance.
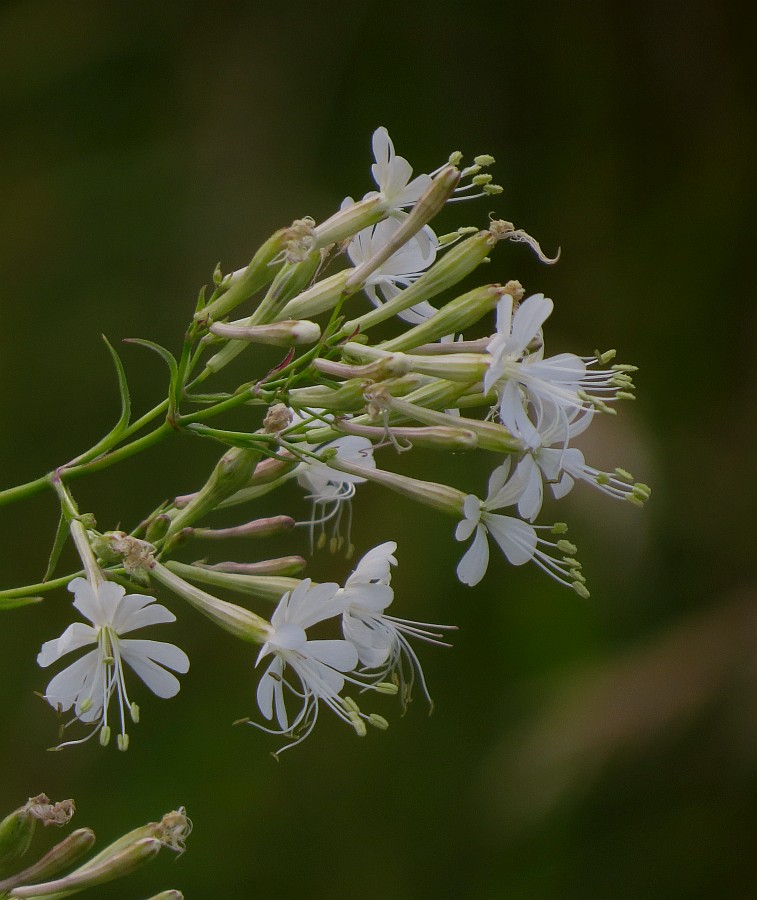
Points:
(334, 399)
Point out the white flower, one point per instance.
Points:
(566, 380)
(392, 174)
(517, 539)
(88, 684)
(561, 466)
(380, 638)
(319, 665)
(329, 489)
(401, 269)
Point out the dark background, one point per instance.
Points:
(580, 750)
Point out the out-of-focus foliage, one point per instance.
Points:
(579, 749)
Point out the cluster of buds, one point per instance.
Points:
(320, 416)
(44, 877)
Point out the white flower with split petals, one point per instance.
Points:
(518, 540)
(89, 684)
(568, 381)
(320, 666)
(380, 641)
(392, 174)
(401, 269)
(329, 489)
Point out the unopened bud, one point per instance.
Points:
(466, 367)
(286, 333)
(321, 297)
(240, 622)
(17, 828)
(283, 565)
(258, 273)
(270, 588)
(87, 876)
(455, 316)
(259, 528)
(446, 272)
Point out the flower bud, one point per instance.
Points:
(453, 439)
(233, 471)
(258, 528)
(235, 619)
(60, 857)
(350, 220)
(282, 565)
(258, 273)
(286, 333)
(389, 366)
(17, 828)
(446, 272)
(456, 316)
(289, 281)
(427, 206)
(120, 864)
(467, 367)
(264, 587)
(322, 296)
(349, 396)
(438, 496)
(489, 435)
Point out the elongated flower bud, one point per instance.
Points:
(232, 472)
(17, 828)
(117, 866)
(258, 273)
(258, 528)
(446, 272)
(389, 366)
(290, 280)
(438, 496)
(467, 367)
(452, 439)
(490, 435)
(60, 857)
(432, 201)
(322, 296)
(264, 587)
(235, 619)
(455, 316)
(282, 565)
(350, 220)
(286, 333)
(349, 396)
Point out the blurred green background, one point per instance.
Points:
(579, 750)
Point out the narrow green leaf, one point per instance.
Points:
(61, 536)
(123, 388)
(165, 355)
(16, 602)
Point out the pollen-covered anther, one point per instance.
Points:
(559, 528)
(378, 721)
(387, 687)
(566, 547)
(581, 590)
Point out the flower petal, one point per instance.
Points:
(472, 567)
(75, 636)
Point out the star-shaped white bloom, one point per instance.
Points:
(329, 489)
(518, 540)
(379, 638)
(392, 174)
(319, 666)
(401, 269)
(565, 380)
(89, 684)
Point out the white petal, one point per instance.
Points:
(161, 682)
(531, 499)
(141, 615)
(85, 600)
(110, 596)
(65, 687)
(159, 651)
(529, 318)
(75, 636)
(339, 655)
(516, 539)
(269, 681)
(472, 567)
